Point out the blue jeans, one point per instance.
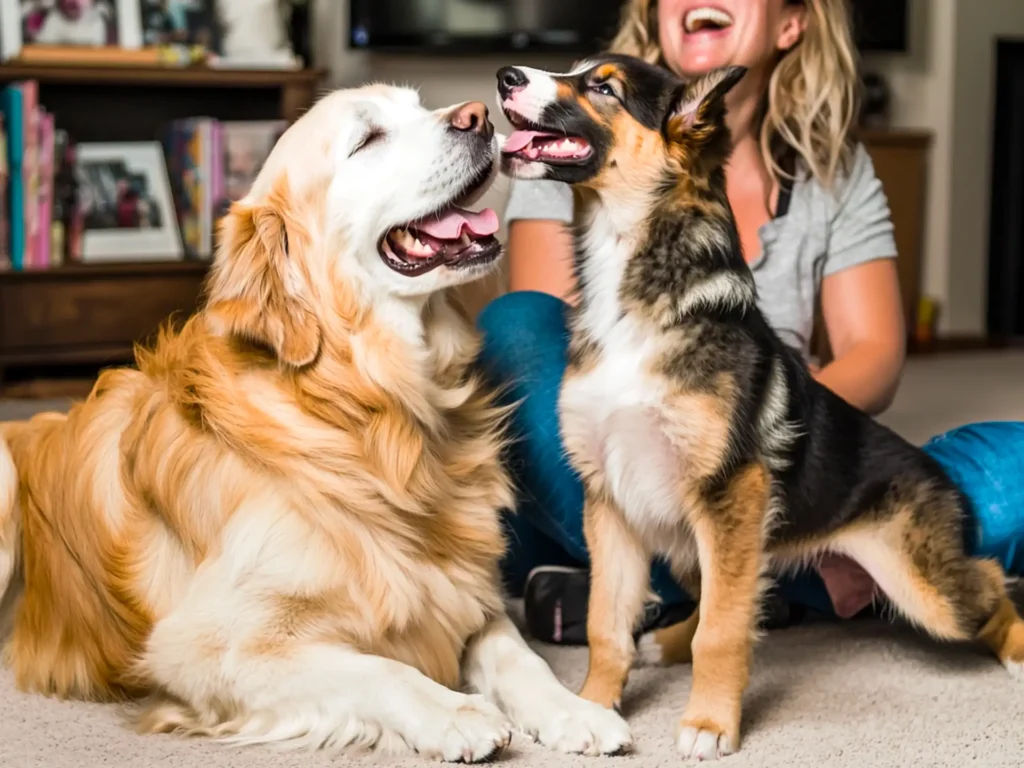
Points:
(524, 350)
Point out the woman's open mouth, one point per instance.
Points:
(453, 237)
(533, 143)
(707, 20)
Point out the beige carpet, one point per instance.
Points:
(864, 694)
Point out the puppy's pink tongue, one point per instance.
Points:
(518, 140)
(450, 224)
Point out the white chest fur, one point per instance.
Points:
(612, 415)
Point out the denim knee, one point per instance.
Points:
(986, 461)
(525, 339)
(524, 353)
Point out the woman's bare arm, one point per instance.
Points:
(540, 257)
(863, 315)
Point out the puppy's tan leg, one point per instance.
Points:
(619, 580)
(730, 540)
(918, 560)
(1004, 635)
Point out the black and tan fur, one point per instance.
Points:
(699, 434)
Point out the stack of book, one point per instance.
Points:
(36, 184)
(210, 163)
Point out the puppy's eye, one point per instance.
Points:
(605, 89)
(370, 138)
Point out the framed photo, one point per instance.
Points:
(185, 23)
(68, 24)
(126, 203)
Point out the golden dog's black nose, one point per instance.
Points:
(510, 80)
(473, 118)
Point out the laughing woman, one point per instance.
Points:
(815, 226)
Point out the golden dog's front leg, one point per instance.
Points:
(619, 580)
(729, 531)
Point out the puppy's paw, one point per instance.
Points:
(570, 724)
(704, 740)
(471, 731)
(1015, 668)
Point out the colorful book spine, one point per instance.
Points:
(12, 104)
(47, 126)
(5, 212)
(216, 174)
(31, 170)
(205, 163)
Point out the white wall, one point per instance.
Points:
(922, 86)
(441, 81)
(949, 89)
(979, 24)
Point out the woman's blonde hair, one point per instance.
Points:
(813, 93)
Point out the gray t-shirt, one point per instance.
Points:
(820, 234)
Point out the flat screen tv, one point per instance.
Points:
(555, 26)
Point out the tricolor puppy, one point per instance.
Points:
(698, 433)
(284, 524)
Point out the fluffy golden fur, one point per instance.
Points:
(284, 523)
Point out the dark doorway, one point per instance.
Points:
(1006, 236)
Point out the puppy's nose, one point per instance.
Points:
(510, 80)
(472, 117)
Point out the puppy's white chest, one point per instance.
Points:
(612, 421)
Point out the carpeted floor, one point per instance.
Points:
(863, 695)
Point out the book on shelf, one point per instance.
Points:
(210, 164)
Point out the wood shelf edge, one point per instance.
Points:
(194, 76)
(107, 270)
(896, 137)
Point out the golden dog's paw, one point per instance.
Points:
(475, 731)
(704, 740)
(573, 725)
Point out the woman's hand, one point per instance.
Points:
(863, 314)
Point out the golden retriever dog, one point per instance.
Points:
(284, 524)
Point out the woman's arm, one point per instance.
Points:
(539, 245)
(540, 257)
(860, 294)
(863, 315)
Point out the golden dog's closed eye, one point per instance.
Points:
(374, 135)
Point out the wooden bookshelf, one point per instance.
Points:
(95, 313)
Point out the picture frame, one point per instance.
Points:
(190, 26)
(127, 205)
(67, 25)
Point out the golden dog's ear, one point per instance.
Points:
(258, 290)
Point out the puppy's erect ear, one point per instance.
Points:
(257, 289)
(700, 104)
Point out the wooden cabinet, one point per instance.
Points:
(901, 164)
(93, 314)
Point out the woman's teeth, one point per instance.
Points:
(701, 19)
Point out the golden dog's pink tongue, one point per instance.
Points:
(451, 223)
